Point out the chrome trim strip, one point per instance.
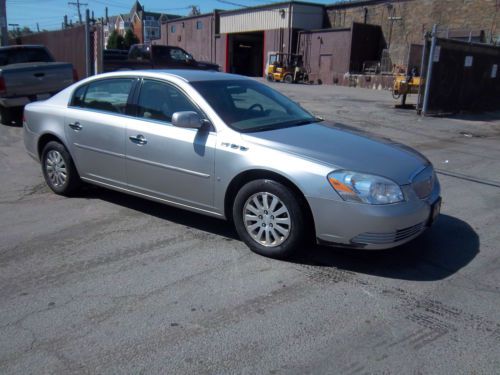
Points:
(166, 166)
(107, 179)
(171, 203)
(99, 150)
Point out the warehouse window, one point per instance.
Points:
(172, 29)
(199, 25)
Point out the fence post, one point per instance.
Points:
(425, 106)
(422, 76)
(87, 43)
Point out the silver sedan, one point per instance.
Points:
(230, 147)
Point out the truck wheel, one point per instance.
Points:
(6, 115)
(288, 78)
(270, 78)
(268, 218)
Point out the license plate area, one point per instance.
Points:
(435, 211)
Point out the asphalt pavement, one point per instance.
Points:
(105, 283)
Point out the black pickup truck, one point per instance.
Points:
(154, 57)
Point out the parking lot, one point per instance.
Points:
(109, 283)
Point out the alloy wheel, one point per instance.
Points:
(267, 219)
(56, 168)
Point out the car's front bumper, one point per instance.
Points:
(367, 226)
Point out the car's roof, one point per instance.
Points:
(188, 75)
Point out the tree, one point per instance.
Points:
(115, 41)
(195, 10)
(129, 39)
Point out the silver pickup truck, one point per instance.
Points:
(29, 73)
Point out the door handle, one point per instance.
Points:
(138, 139)
(75, 126)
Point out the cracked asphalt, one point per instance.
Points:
(106, 283)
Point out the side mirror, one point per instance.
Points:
(187, 119)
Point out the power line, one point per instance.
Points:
(78, 5)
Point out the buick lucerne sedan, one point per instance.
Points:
(230, 147)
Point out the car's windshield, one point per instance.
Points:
(249, 106)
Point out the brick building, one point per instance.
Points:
(404, 22)
(337, 40)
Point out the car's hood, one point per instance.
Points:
(346, 148)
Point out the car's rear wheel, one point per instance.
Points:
(269, 219)
(58, 169)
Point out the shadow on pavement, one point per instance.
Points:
(475, 116)
(162, 211)
(438, 253)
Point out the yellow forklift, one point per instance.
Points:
(405, 84)
(285, 67)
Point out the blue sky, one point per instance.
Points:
(49, 13)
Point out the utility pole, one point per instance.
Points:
(77, 4)
(3, 24)
(37, 27)
(87, 43)
(15, 28)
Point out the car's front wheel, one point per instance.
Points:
(269, 219)
(58, 169)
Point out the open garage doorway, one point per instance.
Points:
(245, 53)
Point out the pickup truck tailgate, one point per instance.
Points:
(36, 78)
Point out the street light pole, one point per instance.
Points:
(14, 27)
(3, 24)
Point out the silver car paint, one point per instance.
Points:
(203, 163)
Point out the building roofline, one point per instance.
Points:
(330, 30)
(357, 3)
(182, 18)
(272, 5)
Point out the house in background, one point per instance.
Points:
(145, 25)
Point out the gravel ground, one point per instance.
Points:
(107, 283)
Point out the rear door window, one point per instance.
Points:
(110, 95)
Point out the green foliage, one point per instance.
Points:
(129, 39)
(116, 41)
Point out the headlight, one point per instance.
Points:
(365, 188)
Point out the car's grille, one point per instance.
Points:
(423, 182)
(390, 237)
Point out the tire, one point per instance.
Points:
(59, 170)
(288, 78)
(270, 77)
(276, 236)
(6, 116)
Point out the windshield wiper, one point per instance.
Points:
(282, 125)
(306, 121)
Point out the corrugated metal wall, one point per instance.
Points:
(326, 53)
(465, 76)
(197, 41)
(255, 19)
